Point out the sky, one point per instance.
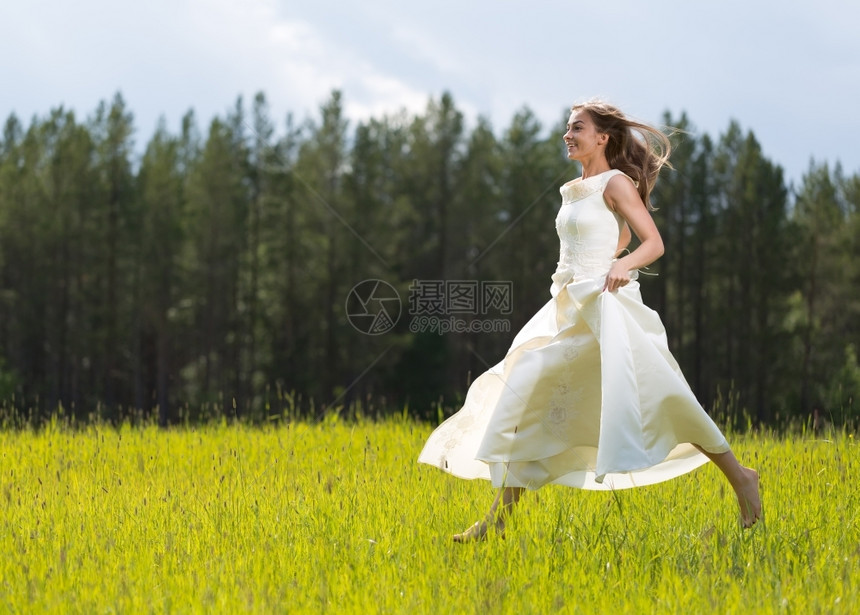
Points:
(789, 71)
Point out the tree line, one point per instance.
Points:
(220, 273)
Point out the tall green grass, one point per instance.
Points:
(338, 517)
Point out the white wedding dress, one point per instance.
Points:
(588, 395)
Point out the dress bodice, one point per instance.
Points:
(587, 229)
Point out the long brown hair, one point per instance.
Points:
(637, 149)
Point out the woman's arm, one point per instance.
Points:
(623, 198)
(624, 238)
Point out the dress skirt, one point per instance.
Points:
(588, 396)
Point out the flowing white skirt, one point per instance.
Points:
(588, 396)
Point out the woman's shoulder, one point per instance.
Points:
(613, 176)
(620, 188)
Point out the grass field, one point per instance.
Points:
(338, 517)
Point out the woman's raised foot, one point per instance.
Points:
(749, 499)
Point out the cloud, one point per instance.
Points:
(765, 68)
(421, 46)
(294, 62)
(166, 57)
(311, 66)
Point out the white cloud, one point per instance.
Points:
(383, 95)
(771, 69)
(298, 66)
(424, 47)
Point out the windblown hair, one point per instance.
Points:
(637, 149)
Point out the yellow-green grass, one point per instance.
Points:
(338, 517)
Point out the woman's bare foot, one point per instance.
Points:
(479, 530)
(476, 532)
(749, 499)
(743, 480)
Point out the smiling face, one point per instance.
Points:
(582, 138)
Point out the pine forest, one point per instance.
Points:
(224, 270)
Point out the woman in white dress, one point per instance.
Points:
(589, 395)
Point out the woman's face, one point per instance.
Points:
(582, 138)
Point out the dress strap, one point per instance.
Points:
(612, 173)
